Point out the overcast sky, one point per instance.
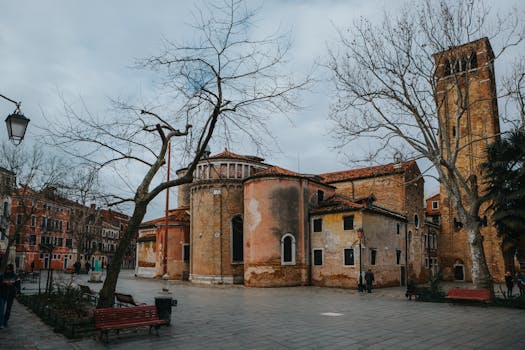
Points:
(86, 49)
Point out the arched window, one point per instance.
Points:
(288, 249)
(416, 220)
(237, 239)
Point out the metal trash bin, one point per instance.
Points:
(164, 305)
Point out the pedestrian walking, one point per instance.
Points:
(9, 287)
(369, 279)
(509, 281)
(32, 266)
(88, 266)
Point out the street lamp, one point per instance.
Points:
(360, 235)
(16, 123)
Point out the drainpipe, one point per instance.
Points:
(406, 252)
(220, 233)
(165, 247)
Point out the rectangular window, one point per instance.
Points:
(435, 205)
(318, 225)
(32, 240)
(33, 221)
(349, 257)
(186, 253)
(17, 238)
(318, 257)
(373, 256)
(60, 241)
(19, 219)
(69, 243)
(320, 196)
(398, 256)
(397, 228)
(348, 222)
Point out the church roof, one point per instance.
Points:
(373, 171)
(275, 171)
(230, 155)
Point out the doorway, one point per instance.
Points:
(403, 276)
(459, 272)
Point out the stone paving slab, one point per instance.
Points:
(286, 318)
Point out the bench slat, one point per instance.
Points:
(469, 294)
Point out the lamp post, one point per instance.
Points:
(360, 235)
(16, 123)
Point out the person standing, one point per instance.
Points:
(88, 266)
(32, 266)
(509, 281)
(76, 266)
(520, 280)
(9, 286)
(369, 279)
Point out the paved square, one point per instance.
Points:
(235, 317)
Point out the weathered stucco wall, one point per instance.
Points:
(380, 233)
(274, 207)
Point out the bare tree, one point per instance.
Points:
(514, 88)
(224, 81)
(34, 172)
(387, 91)
(83, 189)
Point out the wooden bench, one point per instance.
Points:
(124, 318)
(126, 300)
(88, 294)
(469, 294)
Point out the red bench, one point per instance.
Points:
(469, 294)
(129, 317)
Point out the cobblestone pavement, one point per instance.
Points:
(235, 317)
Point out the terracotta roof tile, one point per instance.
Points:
(230, 155)
(275, 170)
(337, 203)
(177, 215)
(373, 171)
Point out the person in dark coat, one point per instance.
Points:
(509, 281)
(9, 287)
(88, 266)
(520, 280)
(411, 289)
(76, 266)
(369, 279)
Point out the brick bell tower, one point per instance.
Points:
(466, 86)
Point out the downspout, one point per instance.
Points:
(220, 233)
(165, 247)
(406, 252)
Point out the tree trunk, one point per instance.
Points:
(481, 277)
(110, 283)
